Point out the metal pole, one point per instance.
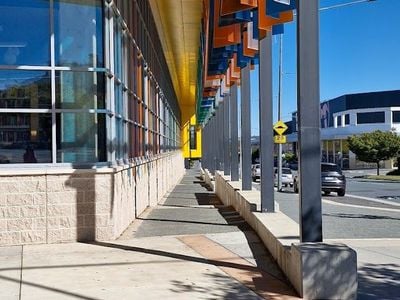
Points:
(234, 134)
(227, 165)
(280, 114)
(206, 147)
(220, 130)
(266, 126)
(213, 146)
(203, 150)
(309, 122)
(246, 129)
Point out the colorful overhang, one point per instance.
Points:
(229, 42)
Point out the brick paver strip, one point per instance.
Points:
(264, 284)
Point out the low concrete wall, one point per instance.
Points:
(54, 205)
(208, 178)
(316, 270)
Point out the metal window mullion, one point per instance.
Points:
(112, 128)
(26, 110)
(308, 104)
(53, 86)
(246, 129)
(266, 126)
(29, 68)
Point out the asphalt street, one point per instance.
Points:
(362, 213)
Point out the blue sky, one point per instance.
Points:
(359, 52)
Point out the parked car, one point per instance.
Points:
(332, 180)
(256, 172)
(286, 178)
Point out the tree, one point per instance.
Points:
(255, 156)
(375, 146)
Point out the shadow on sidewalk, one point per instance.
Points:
(379, 281)
(230, 288)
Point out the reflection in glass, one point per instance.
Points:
(80, 138)
(24, 32)
(25, 138)
(78, 27)
(25, 89)
(76, 90)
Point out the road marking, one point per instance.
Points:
(359, 206)
(374, 200)
(367, 239)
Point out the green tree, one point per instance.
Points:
(375, 146)
(255, 156)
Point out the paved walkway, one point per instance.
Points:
(189, 247)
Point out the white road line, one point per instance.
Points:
(359, 206)
(374, 200)
(366, 239)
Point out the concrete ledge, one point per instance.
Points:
(316, 270)
(208, 178)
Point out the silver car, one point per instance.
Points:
(286, 178)
(256, 172)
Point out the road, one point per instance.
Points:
(367, 222)
(374, 189)
(362, 213)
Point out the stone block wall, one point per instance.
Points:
(55, 206)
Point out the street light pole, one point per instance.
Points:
(279, 173)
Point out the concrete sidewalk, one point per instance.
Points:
(189, 247)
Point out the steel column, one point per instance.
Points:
(213, 145)
(266, 126)
(308, 106)
(220, 130)
(227, 161)
(234, 133)
(246, 129)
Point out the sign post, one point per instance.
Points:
(280, 128)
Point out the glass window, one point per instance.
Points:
(396, 116)
(25, 89)
(117, 49)
(25, 138)
(76, 90)
(339, 121)
(193, 138)
(78, 28)
(119, 99)
(24, 32)
(330, 168)
(371, 117)
(346, 119)
(81, 137)
(120, 138)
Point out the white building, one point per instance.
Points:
(349, 115)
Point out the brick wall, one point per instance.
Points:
(54, 206)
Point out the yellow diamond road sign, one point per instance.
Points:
(280, 127)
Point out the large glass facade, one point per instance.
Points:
(83, 82)
(147, 117)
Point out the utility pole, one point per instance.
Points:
(279, 173)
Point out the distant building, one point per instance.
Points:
(349, 115)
